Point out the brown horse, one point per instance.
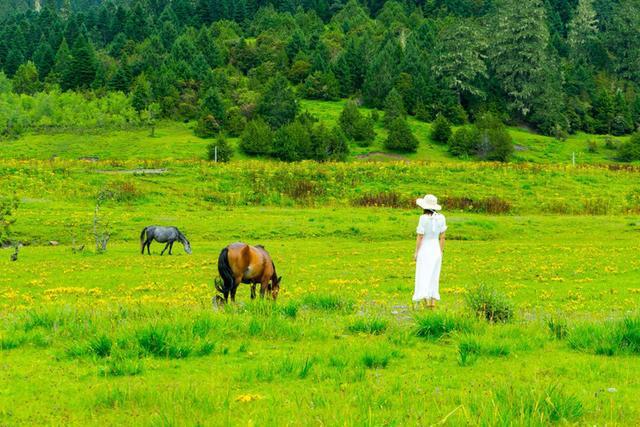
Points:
(241, 263)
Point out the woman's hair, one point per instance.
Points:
(428, 211)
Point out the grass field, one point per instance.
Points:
(176, 141)
(120, 338)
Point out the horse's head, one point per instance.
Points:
(275, 286)
(187, 246)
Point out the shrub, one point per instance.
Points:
(592, 146)
(207, 127)
(463, 142)
(494, 142)
(355, 125)
(630, 151)
(389, 199)
(321, 85)
(436, 325)
(257, 138)
(489, 304)
(441, 129)
(393, 108)
(328, 144)
(292, 142)
(400, 137)
(235, 121)
(219, 150)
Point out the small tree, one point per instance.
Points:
(257, 138)
(355, 125)
(278, 104)
(211, 104)
(141, 94)
(26, 79)
(393, 107)
(219, 150)
(463, 142)
(400, 137)
(207, 127)
(441, 129)
(494, 141)
(321, 85)
(8, 207)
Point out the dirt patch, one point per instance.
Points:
(134, 171)
(520, 147)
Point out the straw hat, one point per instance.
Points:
(429, 202)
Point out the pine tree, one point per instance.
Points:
(62, 63)
(459, 59)
(400, 137)
(441, 129)
(583, 28)
(220, 150)
(393, 107)
(278, 104)
(13, 61)
(381, 74)
(518, 53)
(211, 104)
(141, 93)
(82, 70)
(120, 80)
(25, 79)
(44, 57)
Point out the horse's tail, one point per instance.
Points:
(224, 268)
(144, 230)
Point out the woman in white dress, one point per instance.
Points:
(429, 250)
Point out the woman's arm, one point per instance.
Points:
(442, 242)
(419, 238)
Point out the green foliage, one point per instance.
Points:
(464, 141)
(369, 325)
(207, 127)
(257, 138)
(488, 303)
(355, 125)
(220, 149)
(608, 338)
(8, 208)
(400, 137)
(393, 107)
(494, 142)
(321, 85)
(278, 105)
(441, 129)
(630, 150)
(25, 80)
(212, 104)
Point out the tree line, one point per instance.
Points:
(558, 66)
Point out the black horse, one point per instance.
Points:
(166, 235)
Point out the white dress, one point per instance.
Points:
(429, 259)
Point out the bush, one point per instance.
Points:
(328, 144)
(207, 127)
(463, 142)
(257, 138)
(489, 304)
(494, 142)
(292, 142)
(441, 129)
(235, 122)
(393, 108)
(400, 137)
(355, 125)
(219, 150)
(592, 146)
(321, 85)
(630, 151)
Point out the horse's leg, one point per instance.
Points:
(171, 247)
(263, 287)
(148, 243)
(253, 290)
(165, 248)
(236, 283)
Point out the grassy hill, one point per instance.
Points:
(174, 140)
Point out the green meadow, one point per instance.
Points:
(90, 338)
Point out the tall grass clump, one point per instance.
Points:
(369, 325)
(526, 406)
(470, 348)
(437, 325)
(487, 303)
(607, 338)
(558, 327)
(328, 303)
